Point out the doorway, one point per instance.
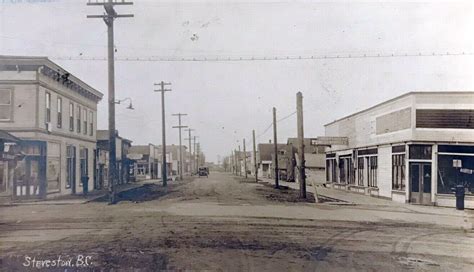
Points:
(420, 183)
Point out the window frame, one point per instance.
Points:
(10, 105)
(48, 107)
(78, 119)
(91, 123)
(71, 116)
(59, 112)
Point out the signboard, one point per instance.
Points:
(135, 156)
(466, 171)
(457, 163)
(330, 141)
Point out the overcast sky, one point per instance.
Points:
(226, 100)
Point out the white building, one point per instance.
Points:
(406, 149)
(55, 114)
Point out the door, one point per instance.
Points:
(420, 183)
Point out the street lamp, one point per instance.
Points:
(130, 106)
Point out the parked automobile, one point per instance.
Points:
(203, 171)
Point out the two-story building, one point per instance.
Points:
(414, 148)
(55, 115)
(124, 165)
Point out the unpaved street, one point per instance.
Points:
(224, 223)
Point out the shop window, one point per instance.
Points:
(70, 166)
(398, 172)
(84, 162)
(420, 152)
(5, 105)
(54, 168)
(372, 171)
(450, 176)
(360, 171)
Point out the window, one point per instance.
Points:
(53, 172)
(84, 119)
(449, 176)
(371, 171)
(398, 172)
(346, 170)
(420, 152)
(5, 105)
(48, 108)
(84, 162)
(360, 171)
(91, 123)
(70, 166)
(78, 119)
(71, 117)
(60, 112)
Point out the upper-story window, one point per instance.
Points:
(84, 119)
(91, 123)
(5, 105)
(60, 112)
(48, 108)
(71, 117)
(78, 115)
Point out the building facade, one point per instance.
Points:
(55, 116)
(125, 166)
(146, 164)
(412, 149)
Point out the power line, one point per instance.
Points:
(261, 58)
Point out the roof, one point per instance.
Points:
(7, 137)
(397, 98)
(34, 63)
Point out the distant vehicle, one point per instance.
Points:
(203, 171)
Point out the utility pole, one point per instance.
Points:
(190, 150)
(164, 174)
(245, 160)
(198, 155)
(275, 150)
(255, 156)
(240, 163)
(109, 18)
(180, 168)
(301, 161)
(194, 154)
(235, 162)
(232, 167)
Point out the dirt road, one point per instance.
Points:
(227, 224)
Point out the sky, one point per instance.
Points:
(226, 100)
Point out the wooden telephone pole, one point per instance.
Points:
(301, 161)
(164, 174)
(109, 18)
(255, 156)
(189, 130)
(245, 161)
(179, 126)
(275, 150)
